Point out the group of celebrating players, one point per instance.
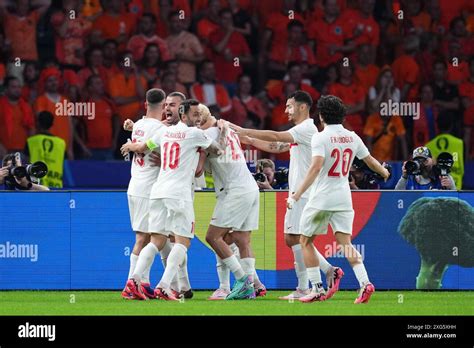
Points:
(170, 154)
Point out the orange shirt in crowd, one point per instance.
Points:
(422, 21)
(366, 77)
(62, 126)
(110, 27)
(226, 71)
(368, 27)
(405, 70)
(86, 72)
(186, 44)
(325, 35)
(383, 148)
(450, 9)
(138, 43)
(99, 129)
(205, 28)
(351, 95)
(277, 92)
(21, 33)
(457, 74)
(277, 23)
(466, 90)
(212, 94)
(14, 138)
(120, 86)
(282, 53)
(240, 110)
(91, 8)
(73, 39)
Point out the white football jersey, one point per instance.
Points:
(230, 171)
(143, 174)
(300, 153)
(179, 148)
(339, 147)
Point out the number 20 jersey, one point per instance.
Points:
(339, 147)
(143, 174)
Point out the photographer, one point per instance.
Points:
(17, 182)
(422, 174)
(361, 178)
(267, 177)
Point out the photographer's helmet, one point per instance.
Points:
(422, 151)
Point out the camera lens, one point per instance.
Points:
(37, 169)
(260, 177)
(412, 167)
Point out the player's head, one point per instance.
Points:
(298, 105)
(205, 113)
(45, 120)
(155, 100)
(172, 103)
(331, 109)
(189, 113)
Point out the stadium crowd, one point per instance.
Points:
(241, 58)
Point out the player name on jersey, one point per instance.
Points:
(342, 140)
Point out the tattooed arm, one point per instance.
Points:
(266, 146)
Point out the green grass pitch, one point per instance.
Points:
(110, 303)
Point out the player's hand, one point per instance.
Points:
(244, 139)
(125, 149)
(386, 173)
(155, 159)
(445, 182)
(239, 130)
(221, 124)
(128, 125)
(290, 201)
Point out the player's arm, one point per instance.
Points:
(215, 148)
(266, 146)
(202, 161)
(374, 165)
(138, 147)
(267, 135)
(313, 172)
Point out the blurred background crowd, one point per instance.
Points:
(241, 58)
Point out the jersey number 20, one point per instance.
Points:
(171, 155)
(346, 162)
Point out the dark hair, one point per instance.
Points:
(454, 21)
(186, 106)
(302, 97)
(292, 64)
(331, 109)
(294, 23)
(177, 94)
(9, 79)
(155, 96)
(173, 14)
(112, 41)
(88, 53)
(45, 120)
(225, 10)
(6, 158)
(149, 15)
(147, 48)
(440, 61)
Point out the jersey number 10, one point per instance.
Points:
(171, 155)
(346, 162)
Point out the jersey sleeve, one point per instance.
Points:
(212, 133)
(201, 139)
(302, 133)
(362, 151)
(317, 146)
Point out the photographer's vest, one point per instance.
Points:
(50, 150)
(454, 146)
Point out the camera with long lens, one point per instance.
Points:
(36, 170)
(371, 176)
(281, 176)
(414, 167)
(444, 163)
(259, 177)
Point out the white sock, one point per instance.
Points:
(233, 264)
(223, 273)
(133, 263)
(146, 274)
(235, 250)
(145, 259)
(248, 265)
(300, 267)
(183, 278)
(175, 258)
(323, 263)
(164, 257)
(314, 275)
(361, 274)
